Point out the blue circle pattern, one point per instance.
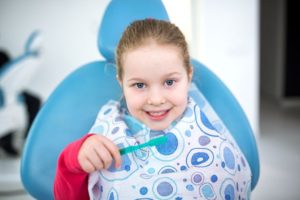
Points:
(197, 178)
(204, 140)
(164, 188)
(207, 191)
(229, 158)
(214, 178)
(170, 146)
(143, 190)
(191, 150)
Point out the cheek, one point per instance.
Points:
(181, 103)
(180, 96)
(133, 99)
(134, 106)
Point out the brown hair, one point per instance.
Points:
(141, 31)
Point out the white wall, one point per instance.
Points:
(70, 30)
(227, 38)
(179, 12)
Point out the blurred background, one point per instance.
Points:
(252, 45)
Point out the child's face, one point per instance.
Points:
(155, 84)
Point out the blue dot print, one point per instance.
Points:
(229, 158)
(194, 162)
(205, 121)
(214, 178)
(170, 146)
(199, 157)
(229, 192)
(143, 191)
(204, 140)
(197, 178)
(164, 189)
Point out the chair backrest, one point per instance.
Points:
(72, 108)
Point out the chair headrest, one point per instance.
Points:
(118, 15)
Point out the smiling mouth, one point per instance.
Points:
(158, 115)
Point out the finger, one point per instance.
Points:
(113, 150)
(88, 167)
(96, 159)
(104, 155)
(88, 155)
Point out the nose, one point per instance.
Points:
(156, 97)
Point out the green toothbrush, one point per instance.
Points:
(136, 126)
(153, 142)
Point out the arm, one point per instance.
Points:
(86, 155)
(71, 181)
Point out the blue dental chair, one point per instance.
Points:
(71, 109)
(14, 78)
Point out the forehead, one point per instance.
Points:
(151, 43)
(153, 56)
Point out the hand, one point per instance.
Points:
(98, 152)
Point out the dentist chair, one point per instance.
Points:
(71, 109)
(14, 78)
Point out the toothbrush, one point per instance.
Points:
(136, 126)
(153, 142)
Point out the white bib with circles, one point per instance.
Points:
(199, 160)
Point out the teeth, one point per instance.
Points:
(156, 113)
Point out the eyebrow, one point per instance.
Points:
(137, 79)
(173, 73)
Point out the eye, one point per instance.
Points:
(169, 82)
(139, 85)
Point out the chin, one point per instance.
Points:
(158, 128)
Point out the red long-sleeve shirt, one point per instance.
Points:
(71, 182)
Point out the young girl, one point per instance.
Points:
(193, 160)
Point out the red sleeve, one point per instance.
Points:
(71, 182)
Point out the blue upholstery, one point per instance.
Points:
(72, 108)
(119, 15)
(67, 115)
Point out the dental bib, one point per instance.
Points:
(199, 160)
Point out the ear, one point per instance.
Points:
(191, 72)
(119, 81)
